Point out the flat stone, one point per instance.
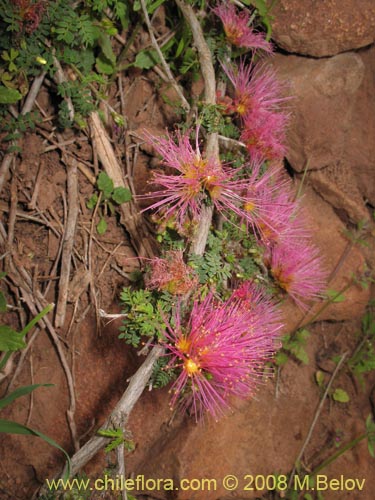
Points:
(321, 29)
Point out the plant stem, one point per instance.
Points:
(339, 452)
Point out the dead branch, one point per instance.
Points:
(131, 218)
(69, 233)
(212, 146)
(27, 107)
(167, 69)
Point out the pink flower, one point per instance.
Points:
(195, 181)
(297, 269)
(264, 135)
(256, 89)
(237, 30)
(171, 274)
(220, 352)
(269, 207)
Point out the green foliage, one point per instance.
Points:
(9, 95)
(211, 267)
(335, 297)
(362, 360)
(162, 375)
(108, 196)
(340, 396)
(263, 11)
(145, 314)
(117, 439)
(294, 345)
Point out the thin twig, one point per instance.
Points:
(316, 417)
(69, 233)
(27, 107)
(60, 78)
(131, 218)
(184, 103)
(212, 148)
(24, 352)
(121, 467)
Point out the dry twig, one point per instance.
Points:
(316, 417)
(212, 148)
(8, 158)
(167, 69)
(69, 233)
(131, 219)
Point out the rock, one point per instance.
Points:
(324, 28)
(322, 109)
(326, 96)
(359, 150)
(342, 260)
(338, 185)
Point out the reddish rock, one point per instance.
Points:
(359, 147)
(324, 98)
(323, 29)
(325, 104)
(338, 185)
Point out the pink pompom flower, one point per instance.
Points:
(256, 88)
(270, 208)
(264, 135)
(297, 269)
(237, 29)
(193, 182)
(221, 351)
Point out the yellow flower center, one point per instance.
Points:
(183, 345)
(284, 281)
(249, 206)
(191, 367)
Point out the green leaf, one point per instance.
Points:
(106, 46)
(11, 427)
(21, 391)
(319, 378)
(10, 340)
(104, 65)
(340, 396)
(110, 433)
(9, 96)
(105, 184)
(121, 195)
(151, 9)
(146, 59)
(3, 303)
(102, 226)
(335, 297)
(281, 358)
(92, 202)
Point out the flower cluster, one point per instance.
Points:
(222, 350)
